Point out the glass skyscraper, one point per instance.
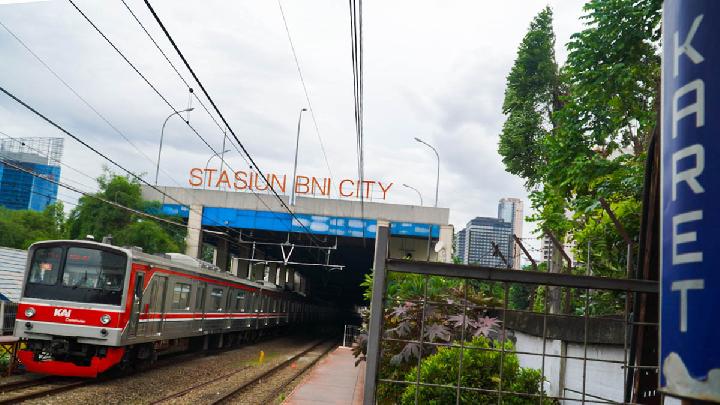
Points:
(475, 242)
(29, 188)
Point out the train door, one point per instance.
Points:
(136, 307)
(157, 306)
(200, 306)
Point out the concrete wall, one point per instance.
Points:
(400, 247)
(604, 380)
(304, 205)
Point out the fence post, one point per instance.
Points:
(376, 312)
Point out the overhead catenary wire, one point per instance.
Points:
(109, 202)
(356, 53)
(154, 88)
(222, 117)
(68, 133)
(83, 100)
(199, 100)
(50, 158)
(172, 65)
(305, 90)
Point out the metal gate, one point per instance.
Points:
(444, 333)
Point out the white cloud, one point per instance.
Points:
(435, 70)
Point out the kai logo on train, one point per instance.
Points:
(62, 312)
(253, 181)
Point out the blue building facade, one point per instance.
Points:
(20, 190)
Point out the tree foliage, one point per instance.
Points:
(95, 217)
(531, 96)
(481, 362)
(600, 125)
(21, 228)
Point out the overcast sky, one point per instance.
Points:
(433, 69)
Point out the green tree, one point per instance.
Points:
(148, 235)
(599, 126)
(532, 95)
(95, 217)
(92, 216)
(21, 228)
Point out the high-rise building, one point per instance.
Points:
(511, 210)
(460, 245)
(475, 242)
(21, 190)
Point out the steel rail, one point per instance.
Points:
(227, 397)
(68, 386)
(230, 374)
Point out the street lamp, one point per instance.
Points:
(208, 163)
(297, 145)
(437, 182)
(416, 190)
(162, 133)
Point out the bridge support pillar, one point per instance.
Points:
(270, 275)
(194, 238)
(290, 277)
(281, 274)
(258, 272)
(221, 254)
(446, 243)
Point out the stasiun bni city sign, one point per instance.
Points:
(304, 185)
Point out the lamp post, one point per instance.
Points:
(208, 163)
(297, 145)
(416, 190)
(162, 133)
(437, 182)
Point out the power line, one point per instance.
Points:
(302, 80)
(356, 42)
(145, 79)
(217, 111)
(66, 132)
(51, 158)
(71, 188)
(147, 33)
(224, 130)
(90, 106)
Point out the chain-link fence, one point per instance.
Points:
(442, 333)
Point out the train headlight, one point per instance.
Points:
(105, 319)
(30, 312)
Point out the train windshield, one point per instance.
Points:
(77, 274)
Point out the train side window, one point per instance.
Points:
(181, 296)
(240, 301)
(216, 296)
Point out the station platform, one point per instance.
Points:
(333, 380)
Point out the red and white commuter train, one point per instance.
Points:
(87, 307)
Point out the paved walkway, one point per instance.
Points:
(333, 380)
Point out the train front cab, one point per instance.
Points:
(71, 312)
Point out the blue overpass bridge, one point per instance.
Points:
(246, 233)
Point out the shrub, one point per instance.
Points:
(480, 369)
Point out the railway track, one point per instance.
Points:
(25, 390)
(227, 396)
(268, 397)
